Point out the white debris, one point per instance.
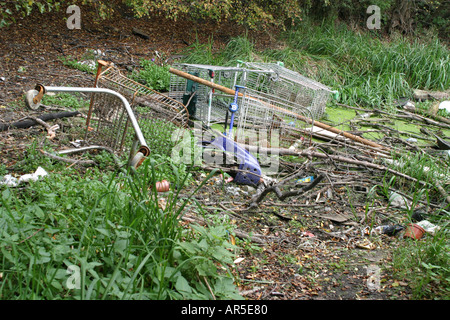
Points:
(428, 226)
(11, 181)
(99, 53)
(445, 105)
(396, 200)
(89, 63)
(76, 143)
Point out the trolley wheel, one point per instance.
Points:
(137, 160)
(29, 99)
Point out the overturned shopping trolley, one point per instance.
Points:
(124, 115)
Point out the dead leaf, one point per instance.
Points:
(162, 203)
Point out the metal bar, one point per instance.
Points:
(127, 106)
(100, 66)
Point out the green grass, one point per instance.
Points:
(67, 100)
(79, 65)
(238, 49)
(152, 75)
(366, 70)
(106, 234)
(424, 264)
(109, 228)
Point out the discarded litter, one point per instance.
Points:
(307, 234)
(235, 191)
(77, 143)
(445, 105)
(297, 143)
(417, 214)
(11, 181)
(396, 200)
(305, 179)
(429, 227)
(365, 244)
(238, 260)
(389, 230)
(412, 140)
(414, 231)
(162, 186)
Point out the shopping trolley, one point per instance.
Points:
(124, 114)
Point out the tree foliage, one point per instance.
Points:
(396, 15)
(252, 14)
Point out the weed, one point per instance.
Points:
(83, 66)
(109, 231)
(424, 264)
(238, 49)
(152, 75)
(68, 100)
(365, 70)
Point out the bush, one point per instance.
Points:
(251, 14)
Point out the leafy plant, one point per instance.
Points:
(152, 75)
(84, 66)
(365, 70)
(104, 236)
(69, 100)
(24, 8)
(255, 14)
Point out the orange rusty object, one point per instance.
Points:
(162, 186)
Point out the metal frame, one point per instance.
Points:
(142, 151)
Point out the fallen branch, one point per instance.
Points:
(257, 238)
(310, 154)
(422, 95)
(51, 130)
(276, 188)
(140, 33)
(85, 163)
(32, 122)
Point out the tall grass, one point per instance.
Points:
(237, 49)
(366, 69)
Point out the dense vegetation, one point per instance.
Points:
(401, 15)
(364, 69)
